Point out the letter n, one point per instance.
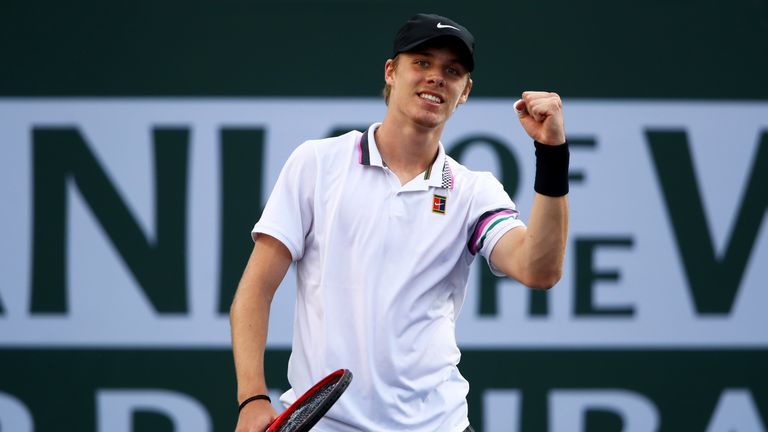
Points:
(62, 158)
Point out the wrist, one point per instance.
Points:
(253, 399)
(252, 387)
(552, 169)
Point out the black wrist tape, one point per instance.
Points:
(551, 169)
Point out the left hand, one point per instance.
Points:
(541, 114)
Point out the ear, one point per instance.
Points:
(389, 71)
(465, 94)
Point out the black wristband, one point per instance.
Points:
(253, 398)
(551, 169)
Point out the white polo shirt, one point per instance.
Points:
(382, 273)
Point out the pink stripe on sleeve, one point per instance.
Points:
(360, 150)
(481, 227)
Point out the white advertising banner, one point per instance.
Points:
(667, 247)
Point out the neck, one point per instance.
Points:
(407, 148)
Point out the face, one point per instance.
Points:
(427, 85)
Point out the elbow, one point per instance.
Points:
(239, 306)
(543, 280)
(233, 308)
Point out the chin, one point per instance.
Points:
(430, 120)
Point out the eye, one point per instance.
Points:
(452, 71)
(422, 63)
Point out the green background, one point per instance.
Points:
(683, 385)
(681, 49)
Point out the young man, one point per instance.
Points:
(383, 226)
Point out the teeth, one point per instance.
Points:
(431, 98)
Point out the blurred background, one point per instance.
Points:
(139, 142)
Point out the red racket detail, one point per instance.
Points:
(312, 405)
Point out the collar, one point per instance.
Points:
(368, 155)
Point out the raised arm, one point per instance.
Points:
(249, 318)
(534, 254)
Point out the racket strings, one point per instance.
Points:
(306, 410)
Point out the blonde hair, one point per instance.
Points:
(387, 90)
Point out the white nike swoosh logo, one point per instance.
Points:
(441, 26)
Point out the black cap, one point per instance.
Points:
(426, 27)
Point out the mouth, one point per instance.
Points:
(431, 97)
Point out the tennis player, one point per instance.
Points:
(383, 226)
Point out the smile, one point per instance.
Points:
(431, 98)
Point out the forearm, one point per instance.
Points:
(249, 314)
(545, 240)
(249, 318)
(542, 247)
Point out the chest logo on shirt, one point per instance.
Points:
(438, 204)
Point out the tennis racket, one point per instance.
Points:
(312, 405)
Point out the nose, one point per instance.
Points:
(436, 79)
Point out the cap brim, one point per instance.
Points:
(467, 58)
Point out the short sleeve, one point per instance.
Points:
(494, 214)
(288, 214)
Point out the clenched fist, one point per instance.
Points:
(541, 114)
